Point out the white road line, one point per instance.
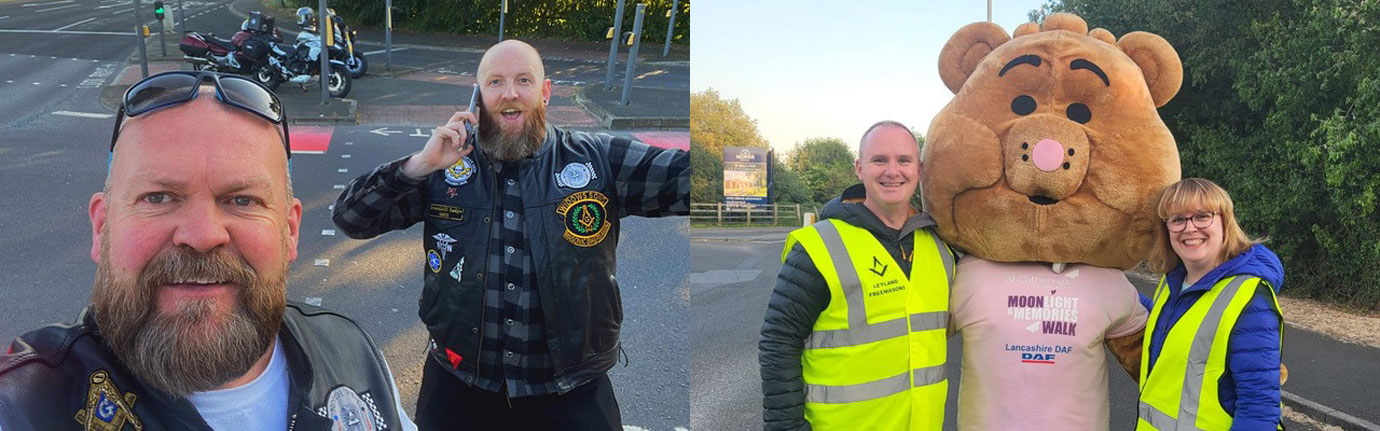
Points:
(381, 51)
(121, 11)
(56, 8)
(83, 114)
(79, 23)
(47, 3)
(3, 17)
(98, 33)
(307, 152)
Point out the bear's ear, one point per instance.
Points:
(1158, 61)
(966, 49)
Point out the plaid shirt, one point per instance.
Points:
(650, 182)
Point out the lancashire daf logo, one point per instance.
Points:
(745, 156)
(876, 264)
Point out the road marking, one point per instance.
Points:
(3, 17)
(339, 187)
(83, 114)
(323, 262)
(56, 8)
(47, 3)
(312, 300)
(342, 170)
(96, 33)
(344, 156)
(328, 232)
(384, 131)
(381, 51)
(121, 11)
(98, 76)
(418, 133)
(75, 24)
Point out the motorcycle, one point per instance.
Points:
(345, 39)
(299, 63)
(245, 53)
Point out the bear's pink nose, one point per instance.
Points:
(1048, 155)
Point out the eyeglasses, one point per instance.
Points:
(180, 86)
(1201, 220)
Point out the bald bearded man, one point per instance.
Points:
(519, 239)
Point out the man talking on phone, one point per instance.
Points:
(518, 254)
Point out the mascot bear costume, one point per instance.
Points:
(1043, 170)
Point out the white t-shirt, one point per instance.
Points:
(262, 404)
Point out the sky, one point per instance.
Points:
(806, 69)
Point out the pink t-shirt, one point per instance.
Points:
(1033, 357)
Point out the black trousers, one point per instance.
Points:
(446, 403)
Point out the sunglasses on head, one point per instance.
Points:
(180, 86)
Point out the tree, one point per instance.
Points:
(787, 186)
(716, 123)
(825, 166)
(1281, 106)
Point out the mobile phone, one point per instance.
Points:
(471, 138)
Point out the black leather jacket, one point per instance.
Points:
(60, 376)
(571, 221)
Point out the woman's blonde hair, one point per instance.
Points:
(1195, 194)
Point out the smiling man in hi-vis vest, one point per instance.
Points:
(855, 332)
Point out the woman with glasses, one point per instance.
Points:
(1210, 359)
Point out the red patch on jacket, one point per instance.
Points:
(454, 358)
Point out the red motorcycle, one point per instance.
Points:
(246, 53)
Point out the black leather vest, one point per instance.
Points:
(62, 377)
(571, 217)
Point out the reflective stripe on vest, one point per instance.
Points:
(1192, 404)
(908, 321)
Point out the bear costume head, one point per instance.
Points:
(1052, 149)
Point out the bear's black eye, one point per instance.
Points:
(1023, 105)
(1079, 112)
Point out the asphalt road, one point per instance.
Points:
(54, 136)
(731, 279)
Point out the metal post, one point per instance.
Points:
(182, 18)
(388, 37)
(139, 36)
(632, 54)
(989, 10)
(669, 27)
(162, 41)
(502, 15)
(323, 28)
(613, 44)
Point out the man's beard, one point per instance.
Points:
(190, 349)
(506, 146)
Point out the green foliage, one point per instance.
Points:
(706, 174)
(586, 20)
(787, 186)
(1281, 106)
(825, 166)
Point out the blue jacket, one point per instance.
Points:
(1249, 391)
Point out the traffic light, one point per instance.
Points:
(158, 9)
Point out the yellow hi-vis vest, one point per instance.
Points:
(875, 359)
(1181, 392)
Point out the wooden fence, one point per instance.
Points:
(720, 214)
